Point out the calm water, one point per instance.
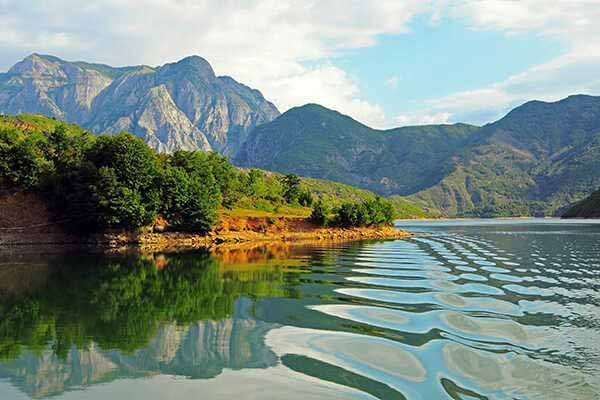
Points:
(467, 310)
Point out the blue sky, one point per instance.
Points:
(386, 63)
(403, 71)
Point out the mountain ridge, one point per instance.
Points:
(312, 140)
(190, 108)
(536, 160)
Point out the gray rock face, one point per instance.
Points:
(181, 105)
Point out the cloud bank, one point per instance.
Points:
(282, 47)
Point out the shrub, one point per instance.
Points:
(306, 198)
(320, 213)
(374, 212)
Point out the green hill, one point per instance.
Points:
(75, 170)
(321, 143)
(536, 160)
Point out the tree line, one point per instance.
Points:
(117, 181)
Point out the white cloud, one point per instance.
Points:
(326, 85)
(575, 71)
(264, 44)
(423, 119)
(282, 46)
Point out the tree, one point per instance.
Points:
(320, 212)
(372, 212)
(135, 164)
(190, 200)
(116, 185)
(226, 178)
(291, 188)
(22, 161)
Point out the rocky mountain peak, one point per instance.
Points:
(36, 64)
(180, 105)
(194, 66)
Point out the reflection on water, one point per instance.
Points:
(505, 309)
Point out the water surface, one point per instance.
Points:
(466, 310)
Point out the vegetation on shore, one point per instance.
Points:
(587, 208)
(116, 181)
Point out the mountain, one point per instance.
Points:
(181, 105)
(587, 208)
(314, 141)
(537, 159)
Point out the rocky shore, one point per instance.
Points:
(33, 225)
(233, 231)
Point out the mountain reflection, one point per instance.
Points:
(71, 321)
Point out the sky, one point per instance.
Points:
(387, 63)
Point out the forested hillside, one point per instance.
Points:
(536, 160)
(314, 141)
(96, 183)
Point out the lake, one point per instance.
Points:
(468, 309)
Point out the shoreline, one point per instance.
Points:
(232, 239)
(229, 231)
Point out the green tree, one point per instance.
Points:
(22, 161)
(371, 212)
(226, 178)
(291, 188)
(320, 212)
(134, 163)
(190, 200)
(116, 185)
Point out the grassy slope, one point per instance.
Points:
(335, 193)
(33, 122)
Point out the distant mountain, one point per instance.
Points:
(587, 208)
(537, 159)
(182, 105)
(314, 141)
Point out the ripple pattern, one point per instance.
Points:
(483, 313)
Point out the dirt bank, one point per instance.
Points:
(25, 219)
(233, 231)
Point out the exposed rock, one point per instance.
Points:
(181, 105)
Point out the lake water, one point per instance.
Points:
(466, 310)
